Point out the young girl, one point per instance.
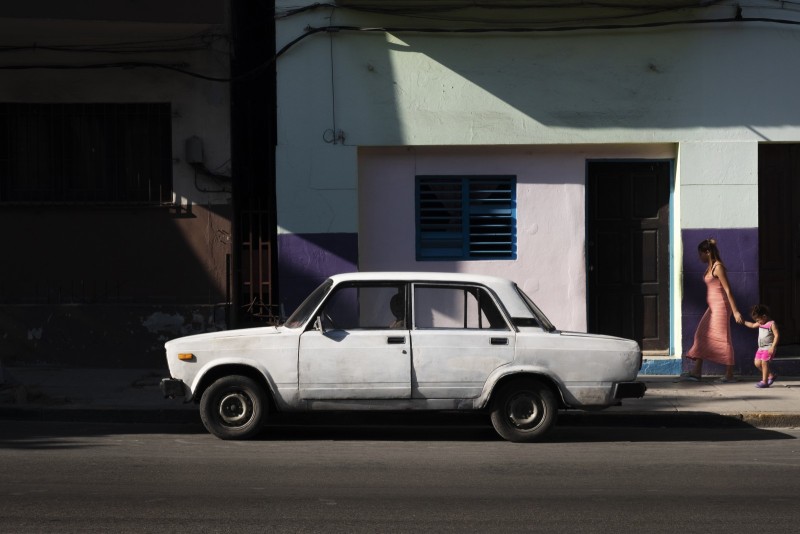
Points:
(767, 341)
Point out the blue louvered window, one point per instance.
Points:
(466, 217)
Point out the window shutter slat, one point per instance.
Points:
(466, 217)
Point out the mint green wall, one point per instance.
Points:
(710, 92)
(716, 90)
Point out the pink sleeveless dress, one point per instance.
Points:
(712, 340)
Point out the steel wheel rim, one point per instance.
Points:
(235, 408)
(524, 410)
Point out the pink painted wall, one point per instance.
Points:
(550, 264)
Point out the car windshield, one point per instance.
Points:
(543, 320)
(304, 311)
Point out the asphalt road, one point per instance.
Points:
(79, 477)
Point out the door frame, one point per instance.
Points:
(671, 246)
(789, 157)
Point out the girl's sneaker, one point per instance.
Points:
(771, 380)
(762, 384)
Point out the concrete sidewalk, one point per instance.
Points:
(710, 402)
(132, 395)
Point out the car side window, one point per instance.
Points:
(464, 307)
(365, 306)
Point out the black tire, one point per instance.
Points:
(524, 410)
(234, 407)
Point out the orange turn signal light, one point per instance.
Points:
(186, 356)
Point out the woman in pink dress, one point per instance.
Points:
(712, 340)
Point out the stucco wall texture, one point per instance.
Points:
(380, 107)
(105, 285)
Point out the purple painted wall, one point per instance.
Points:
(305, 260)
(739, 250)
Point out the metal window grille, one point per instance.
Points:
(466, 217)
(78, 153)
(257, 292)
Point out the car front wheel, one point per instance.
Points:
(524, 410)
(233, 407)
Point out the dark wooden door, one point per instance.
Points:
(779, 237)
(628, 251)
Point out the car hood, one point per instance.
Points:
(598, 337)
(224, 334)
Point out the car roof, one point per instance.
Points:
(421, 276)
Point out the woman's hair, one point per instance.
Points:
(759, 310)
(710, 246)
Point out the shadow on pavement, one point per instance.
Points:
(663, 434)
(385, 427)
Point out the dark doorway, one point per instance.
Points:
(253, 139)
(779, 238)
(628, 251)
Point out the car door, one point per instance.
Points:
(360, 348)
(459, 336)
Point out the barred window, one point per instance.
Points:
(78, 153)
(466, 217)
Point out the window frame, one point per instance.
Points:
(464, 288)
(94, 153)
(333, 293)
(468, 234)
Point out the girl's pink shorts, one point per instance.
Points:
(763, 354)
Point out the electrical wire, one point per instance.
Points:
(333, 89)
(416, 9)
(310, 31)
(201, 169)
(554, 29)
(183, 44)
(120, 65)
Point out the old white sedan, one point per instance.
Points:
(404, 341)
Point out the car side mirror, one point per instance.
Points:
(318, 324)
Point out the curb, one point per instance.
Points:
(769, 419)
(681, 419)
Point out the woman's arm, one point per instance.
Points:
(719, 272)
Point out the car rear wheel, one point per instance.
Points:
(233, 407)
(524, 410)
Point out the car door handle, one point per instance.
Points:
(398, 340)
(499, 341)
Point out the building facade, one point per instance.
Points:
(115, 179)
(173, 168)
(582, 152)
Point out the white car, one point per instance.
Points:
(404, 341)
